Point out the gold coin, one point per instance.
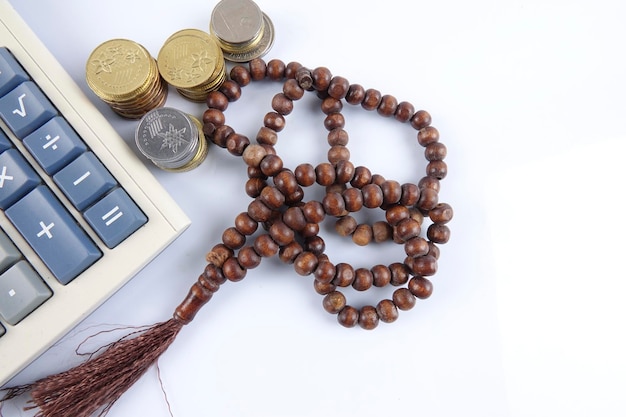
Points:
(189, 58)
(118, 69)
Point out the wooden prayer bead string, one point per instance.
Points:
(239, 144)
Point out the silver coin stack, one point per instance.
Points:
(171, 139)
(242, 30)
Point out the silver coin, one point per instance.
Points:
(236, 21)
(167, 136)
(263, 47)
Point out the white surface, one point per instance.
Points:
(527, 315)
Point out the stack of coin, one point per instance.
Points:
(192, 62)
(171, 139)
(242, 30)
(125, 76)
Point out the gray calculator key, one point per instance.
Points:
(5, 143)
(11, 73)
(25, 108)
(21, 292)
(9, 254)
(17, 177)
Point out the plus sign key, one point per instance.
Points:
(17, 177)
(53, 233)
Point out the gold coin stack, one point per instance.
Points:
(242, 30)
(123, 74)
(192, 62)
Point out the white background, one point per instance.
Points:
(527, 317)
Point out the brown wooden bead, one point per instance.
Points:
(305, 263)
(424, 265)
(427, 135)
(437, 169)
(232, 238)
(314, 244)
(416, 246)
(363, 234)
(337, 154)
(433, 250)
(387, 311)
(282, 104)
(442, 213)
(438, 233)
(323, 288)
(325, 174)
(395, 214)
(230, 89)
(281, 233)
(334, 302)
(403, 299)
(245, 224)
(274, 121)
(416, 215)
(338, 87)
(213, 116)
(382, 231)
(221, 135)
(258, 69)
(336, 188)
(420, 287)
(258, 211)
(214, 274)
(356, 94)
(429, 182)
(407, 229)
(399, 274)
(217, 100)
(363, 279)
(381, 275)
(368, 318)
(248, 258)
(372, 196)
(344, 171)
(294, 218)
(404, 112)
(237, 143)
(420, 120)
(271, 165)
(331, 105)
(388, 106)
(321, 78)
(254, 186)
(286, 182)
(275, 69)
(353, 198)
(410, 194)
(265, 246)
(428, 199)
(207, 283)
(436, 151)
(348, 316)
(334, 204)
(272, 198)
(334, 121)
(346, 225)
(338, 137)
(292, 90)
(267, 136)
(208, 129)
(232, 270)
(305, 174)
(325, 272)
(291, 68)
(372, 99)
(313, 211)
(240, 75)
(253, 154)
(378, 179)
(392, 191)
(362, 177)
(344, 275)
(288, 253)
